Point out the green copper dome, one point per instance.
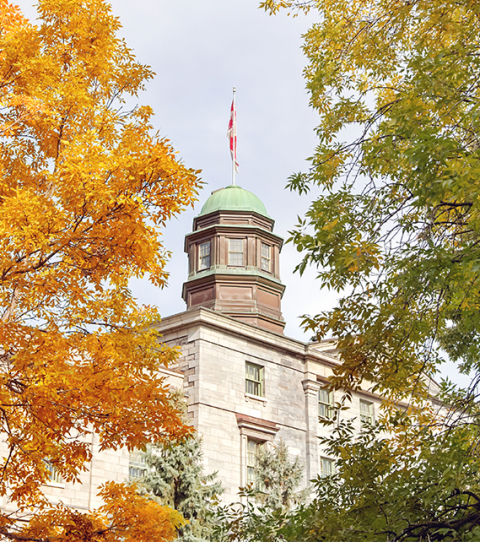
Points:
(233, 198)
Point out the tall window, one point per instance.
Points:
(253, 447)
(235, 252)
(366, 412)
(254, 379)
(325, 404)
(204, 256)
(137, 465)
(326, 467)
(266, 258)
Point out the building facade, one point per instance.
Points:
(246, 383)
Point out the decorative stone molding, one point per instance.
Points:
(256, 398)
(311, 387)
(256, 428)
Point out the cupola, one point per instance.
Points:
(234, 260)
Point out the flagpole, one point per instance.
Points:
(234, 127)
(232, 136)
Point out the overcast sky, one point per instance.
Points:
(200, 50)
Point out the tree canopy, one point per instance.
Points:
(421, 485)
(279, 476)
(394, 228)
(176, 477)
(272, 503)
(396, 224)
(85, 187)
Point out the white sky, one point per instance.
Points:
(199, 50)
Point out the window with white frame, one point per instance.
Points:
(235, 252)
(137, 465)
(326, 467)
(366, 412)
(254, 375)
(266, 257)
(253, 447)
(204, 256)
(54, 475)
(325, 404)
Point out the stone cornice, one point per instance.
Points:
(215, 229)
(235, 273)
(232, 212)
(264, 337)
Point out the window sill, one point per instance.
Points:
(58, 485)
(249, 396)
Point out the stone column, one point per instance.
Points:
(311, 387)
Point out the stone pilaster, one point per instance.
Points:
(311, 387)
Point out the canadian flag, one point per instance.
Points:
(232, 134)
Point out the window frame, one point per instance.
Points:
(260, 382)
(251, 463)
(204, 256)
(232, 240)
(256, 429)
(367, 418)
(137, 462)
(323, 473)
(54, 476)
(327, 406)
(267, 259)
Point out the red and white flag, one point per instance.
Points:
(232, 134)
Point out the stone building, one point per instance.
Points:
(247, 383)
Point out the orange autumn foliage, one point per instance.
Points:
(125, 516)
(85, 187)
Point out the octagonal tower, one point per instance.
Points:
(233, 259)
